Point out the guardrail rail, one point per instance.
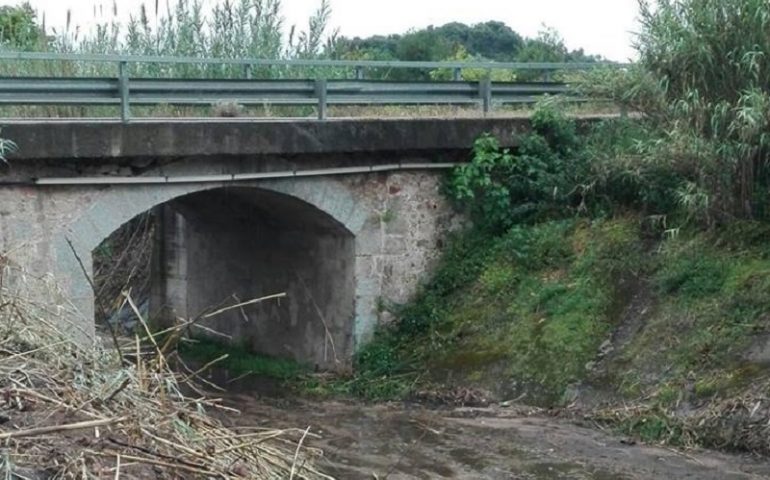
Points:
(124, 90)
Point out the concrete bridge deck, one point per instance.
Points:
(106, 139)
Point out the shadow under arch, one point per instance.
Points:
(219, 242)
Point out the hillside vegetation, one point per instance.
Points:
(620, 269)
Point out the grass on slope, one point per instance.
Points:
(533, 306)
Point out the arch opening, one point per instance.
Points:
(223, 247)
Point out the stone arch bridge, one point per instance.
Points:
(340, 215)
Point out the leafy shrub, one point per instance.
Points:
(19, 28)
(501, 188)
(558, 171)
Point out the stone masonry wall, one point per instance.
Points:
(399, 222)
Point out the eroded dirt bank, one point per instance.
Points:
(399, 441)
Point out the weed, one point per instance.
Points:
(654, 426)
(388, 216)
(242, 361)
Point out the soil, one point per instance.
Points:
(402, 441)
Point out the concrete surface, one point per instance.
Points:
(177, 137)
(339, 246)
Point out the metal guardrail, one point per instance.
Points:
(125, 91)
(257, 62)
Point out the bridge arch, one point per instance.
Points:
(299, 236)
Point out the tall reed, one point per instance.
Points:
(702, 84)
(231, 29)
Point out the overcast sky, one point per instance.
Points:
(602, 27)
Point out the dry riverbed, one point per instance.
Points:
(398, 441)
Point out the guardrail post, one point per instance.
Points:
(485, 92)
(359, 73)
(247, 71)
(457, 74)
(547, 75)
(125, 110)
(320, 92)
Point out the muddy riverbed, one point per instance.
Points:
(401, 441)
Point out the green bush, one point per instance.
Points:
(500, 188)
(623, 174)
(557, 171)
(19, 27)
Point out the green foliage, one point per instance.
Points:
(233, 29)
(19, 29)
(471, 74)
(701, 80)
(713, 291)
(655, 426)
(525, 312)
(563, 306)
(501, 188)
(557, 171)
(311, 41)
(548, 46)
(385, 370)
(622, 172)
(692, 274)
(459, 42)
(483, 184)
(240, 360)
(422, 46)
(535, 301)
(492, 40)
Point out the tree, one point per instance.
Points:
(457, 41)
(491, 40)
(548, 46)
(19, 28)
